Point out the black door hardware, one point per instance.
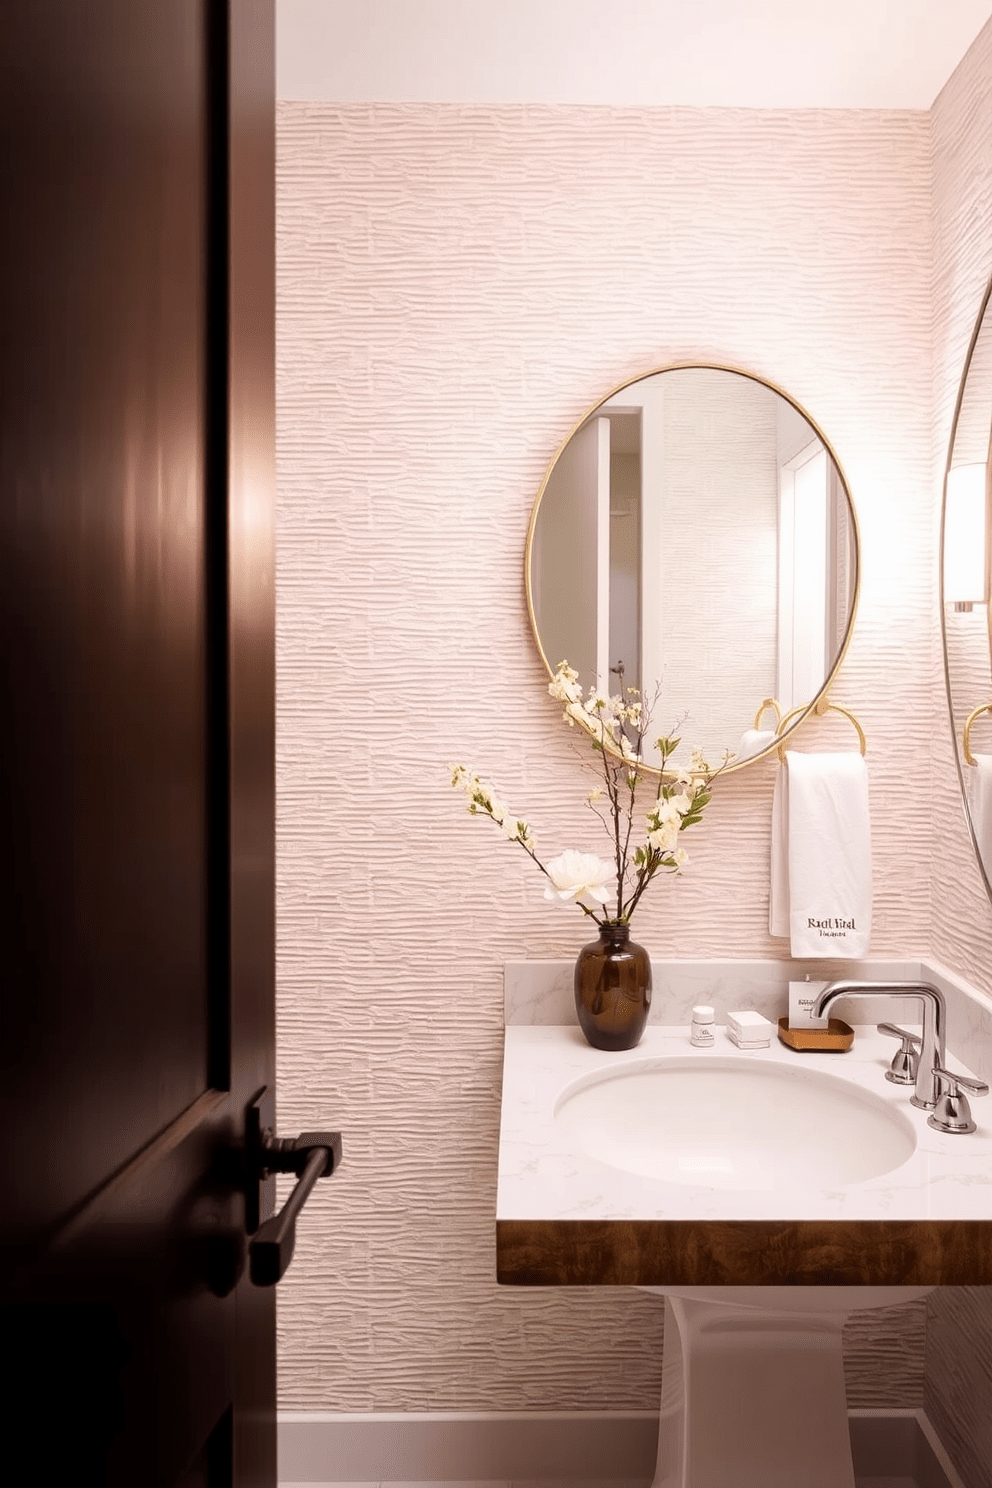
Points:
(311, 1155)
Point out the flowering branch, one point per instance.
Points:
(570, 884)
(618, 726)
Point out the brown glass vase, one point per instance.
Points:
(613, 989)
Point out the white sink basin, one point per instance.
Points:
(731, 1123)
(669, 1133)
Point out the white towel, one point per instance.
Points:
(821, 856)
(753, 741)
(979, 786)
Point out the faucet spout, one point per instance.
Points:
(933, 1052)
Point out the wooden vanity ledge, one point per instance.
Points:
(592, 1252)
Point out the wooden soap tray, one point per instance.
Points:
(836, 1038)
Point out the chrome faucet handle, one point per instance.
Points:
(905, 1061)
(953, 1113)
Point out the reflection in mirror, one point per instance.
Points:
(696, 529)
(965, 566)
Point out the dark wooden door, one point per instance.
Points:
(136, 613)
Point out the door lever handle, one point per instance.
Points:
(310, 1156)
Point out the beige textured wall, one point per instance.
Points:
(962, 208)
(959, 1330)
(456, 286)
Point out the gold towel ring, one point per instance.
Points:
(966, 739)
(821, 708)
(768, 703)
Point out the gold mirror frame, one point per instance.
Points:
(796, 716)
(969, 708)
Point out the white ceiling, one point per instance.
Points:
(881, 54)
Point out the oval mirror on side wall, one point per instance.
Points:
(964, 592)
(696, 529)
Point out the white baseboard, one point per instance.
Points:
(562, 1446)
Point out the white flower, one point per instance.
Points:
(564, 685)
(515, 829)
(580, 878)
(682, 803)
(596, 794)
(480, 796)
(664, 825)
(664, 837)
(680, 856)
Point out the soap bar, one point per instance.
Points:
(748, 1043)
(749, 1030)
(801, 998)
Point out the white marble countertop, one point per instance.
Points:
(542, 1176)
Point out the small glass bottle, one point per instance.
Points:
(701, 1035)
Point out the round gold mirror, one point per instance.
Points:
(964, 594)
(696, 536)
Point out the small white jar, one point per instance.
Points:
(702, 1035)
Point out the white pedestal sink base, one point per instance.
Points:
(753, 1395)
(752, 1399)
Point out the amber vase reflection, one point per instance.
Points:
(613, 989)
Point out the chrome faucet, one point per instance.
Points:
(933, 1055)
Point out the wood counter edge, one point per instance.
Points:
(586, 1252)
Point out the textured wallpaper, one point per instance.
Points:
(959, 1331)
(962, 205)
(456, 287)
